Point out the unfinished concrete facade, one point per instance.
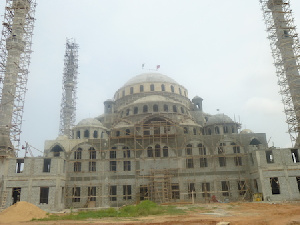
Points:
(152, 142)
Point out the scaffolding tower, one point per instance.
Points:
(15, 50)
(68, 104)
(285, 46)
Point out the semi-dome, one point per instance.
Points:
(219, 119)
(89, 122)
(149, 78)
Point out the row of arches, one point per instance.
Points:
(154, 108)
(88, 134)
(151, 88)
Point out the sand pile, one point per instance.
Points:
(21, 211)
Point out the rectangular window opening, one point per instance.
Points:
(113, 165)
(295, 155)
(77, 166)
(191, 190)
(44, 194)
(144, 194)
(76, 194)
(275, 185)
(269, 156)
(175, 191)
(298, 182)
(47, 165)
(225, 188)
(92, 193)
(127, 165)
(189, 163)
(92, 166)
(19, 165)
(203, 162)
(113, 193)
(242, 187)
(127, 192)
(16, 194)
(205, 190)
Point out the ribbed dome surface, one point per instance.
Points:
(218, 119)
(90, 122)
(150, 77)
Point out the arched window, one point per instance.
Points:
(56, 150)
(78, 134)
(166, 108)
(185, 130)
(174, 108)
(127, 112)
(145, 108)
(209, 131)
(225, 129)
(194, 131)
(131, 90)
(78, 153)
(126, 152)
(202, 149)
(163, 87)
(172, 88)
(117, 133)
(189, 149)
(180, 91)
(141, 88)
(202, 131)
(182, 110)
(136, 110)
(155, 108)
(95, 135)
(157, 150)
(149, 152)
(127, 132)
(217, 130)
(232, 129)
(152, 87)
(86, 134)
(255, 142)
(165, 151)
(92, 153)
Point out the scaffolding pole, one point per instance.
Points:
(285, 48)
(68, 104)
(15, 51)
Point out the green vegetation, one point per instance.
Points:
(145, 208)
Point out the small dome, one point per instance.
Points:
(219, 119)
(90, 122)
(149, 78)
(246, 131)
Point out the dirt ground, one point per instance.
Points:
(207, 214)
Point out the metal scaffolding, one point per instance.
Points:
(285, 48)
(15, 50)
(68, 104)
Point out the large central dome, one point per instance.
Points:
(149, 78)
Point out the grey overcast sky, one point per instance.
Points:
(217, 49)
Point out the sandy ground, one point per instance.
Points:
(207, 214)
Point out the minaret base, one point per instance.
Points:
(6, 147)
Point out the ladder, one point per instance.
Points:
(3, 202)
